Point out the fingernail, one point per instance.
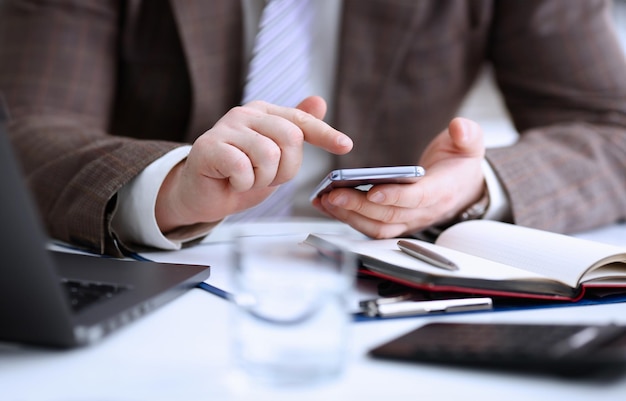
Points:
(377, 197)
(468, 130)
(340, 200)
(344, 141)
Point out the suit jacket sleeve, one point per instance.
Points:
(563, 76)
(58, 73)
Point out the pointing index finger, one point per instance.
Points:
(316, 131)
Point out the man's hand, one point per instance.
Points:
(453, 181)
(241, 160)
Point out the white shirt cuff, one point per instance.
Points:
(498, 208)
(134, 220)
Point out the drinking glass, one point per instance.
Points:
(291, 318)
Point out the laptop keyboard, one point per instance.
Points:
(85, 293)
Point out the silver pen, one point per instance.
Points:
(416, 308)
(428, 256)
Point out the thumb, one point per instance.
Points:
(467, 136)
(314, 105)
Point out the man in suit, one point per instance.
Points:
(102, 92)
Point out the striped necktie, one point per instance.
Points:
(279, 73)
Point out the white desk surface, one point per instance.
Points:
(181, 352)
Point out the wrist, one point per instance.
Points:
(475, 211)
(167, 214)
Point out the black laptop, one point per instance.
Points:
(60, 299)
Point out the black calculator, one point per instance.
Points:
(565, 349)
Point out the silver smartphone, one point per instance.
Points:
(364, 178)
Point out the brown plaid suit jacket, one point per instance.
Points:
(99, 89)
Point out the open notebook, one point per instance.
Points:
(498, 259)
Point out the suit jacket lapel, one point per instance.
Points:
(208, 28)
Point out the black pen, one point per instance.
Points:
(428, 256)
